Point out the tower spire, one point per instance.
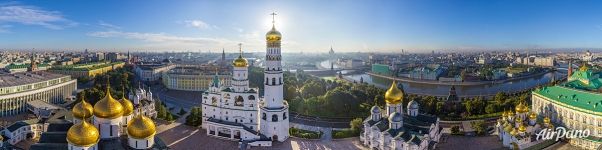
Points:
(240, 48)
(273, 19)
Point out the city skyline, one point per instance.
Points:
(312, 26)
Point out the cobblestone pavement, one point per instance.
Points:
(178, 136)
(453, 142)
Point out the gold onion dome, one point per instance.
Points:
(141, 127)
(240, 62)
(533, 116)
(546, 120)
(273, 35)
(394, 95)
(521, 108)
(83, 134)
(522, 128)
(128, 106)
(108, 107)
(82, 110)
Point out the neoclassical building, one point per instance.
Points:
(17, 89)
(236, 112)
(392, 129)
(575, 104)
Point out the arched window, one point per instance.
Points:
(239, 101)
(213, 101)
(251, 97)
(273, 81)
(280, 79)
(267, 80)
(274, 118)
(284, 116)
(264, 117)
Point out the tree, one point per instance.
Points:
(490, 108)
(500, 98)
(169, 117)
(182, 112)
(356, 124)
(479, 126)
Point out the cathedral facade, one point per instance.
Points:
(392, 129)
(237, 113)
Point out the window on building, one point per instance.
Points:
(274, 118)
(239, 101)
(284, 116)
(264, 117)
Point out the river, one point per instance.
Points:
(464, 90)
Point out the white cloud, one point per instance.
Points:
(30, 15)
(199, 24)
(108, 26)
(161, 38)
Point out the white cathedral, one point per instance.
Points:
(237, 112)
(394, 130)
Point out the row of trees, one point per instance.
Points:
(163, 112)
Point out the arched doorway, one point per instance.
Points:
(275, 138)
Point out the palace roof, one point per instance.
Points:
(585, 101)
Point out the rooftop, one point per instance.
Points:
(588, 102)
(15, 79)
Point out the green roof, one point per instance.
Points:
(15, 66)
(585, 80)
(588, 102)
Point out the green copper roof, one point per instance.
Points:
(584, 79)
(588, 102)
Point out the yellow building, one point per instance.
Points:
(193, 78)
(89, 70)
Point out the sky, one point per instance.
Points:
(307, 26)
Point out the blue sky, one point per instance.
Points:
(308, 26)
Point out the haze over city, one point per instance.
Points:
(312, 26)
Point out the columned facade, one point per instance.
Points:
(13, 100)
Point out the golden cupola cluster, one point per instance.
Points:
(141, 127)
(83, 134)
(108, 107)
(82, 110)
(394, 95)
(128, 107)
(522, 128)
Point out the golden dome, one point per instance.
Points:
(546, 120)
(108, 107)
(505, 114)
(521, 108)
(522, 128)
(583, 67)
(533, 116)
(141, 127)
(510, 113)
(394, 95)
(127, 105)
(83, 134)
(273, 35)
(513, 132)
(240, 62)
(82, 109)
